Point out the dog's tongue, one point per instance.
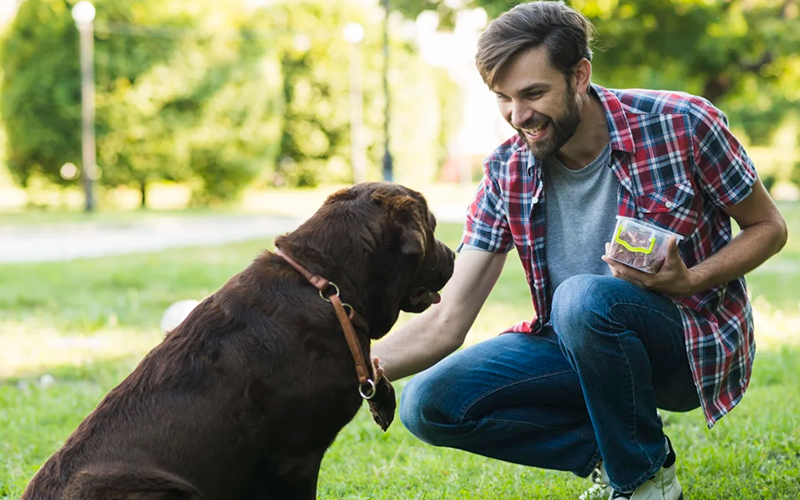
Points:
(425, 296)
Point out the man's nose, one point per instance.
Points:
(520, 114)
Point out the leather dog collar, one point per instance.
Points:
(366, 380)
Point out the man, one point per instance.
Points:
(578, 387)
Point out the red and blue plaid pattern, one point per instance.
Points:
(678, 166)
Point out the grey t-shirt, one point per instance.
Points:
(580, 215)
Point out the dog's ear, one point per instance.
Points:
(412, 233)
(404, 212)
(413, 240)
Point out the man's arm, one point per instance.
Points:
(763, 234)
(441, 330)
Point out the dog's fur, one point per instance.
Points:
(243, 398)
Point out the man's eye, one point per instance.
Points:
(533, 95)
(501, 97)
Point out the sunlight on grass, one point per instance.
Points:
(161, 195)
(775, 327)
(33, 349)
(30, 347)
(55, 205)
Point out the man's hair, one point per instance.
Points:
(565, 32)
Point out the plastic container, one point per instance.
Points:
(639, 244)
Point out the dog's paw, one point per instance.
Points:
(383, 405)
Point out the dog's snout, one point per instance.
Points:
(446, 262)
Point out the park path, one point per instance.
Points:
(60, 242)
(67, 241)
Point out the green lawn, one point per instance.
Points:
(86, 323)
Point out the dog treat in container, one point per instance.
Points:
(639, 244)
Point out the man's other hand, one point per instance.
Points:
(673, 279)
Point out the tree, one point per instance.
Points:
(40, 101)
(174, 101)
(315, 143)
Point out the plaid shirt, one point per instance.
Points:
(678, 166)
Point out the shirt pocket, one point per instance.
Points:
(672, 208)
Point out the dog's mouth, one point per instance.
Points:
(420, 299)
(425, 296)
(425, 291)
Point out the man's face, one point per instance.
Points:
(537, 100)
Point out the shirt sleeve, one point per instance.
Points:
(486, 226)
(726, 173)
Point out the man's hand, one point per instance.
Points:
(377, 369)
(673, 279)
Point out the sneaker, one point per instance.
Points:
(663, 486)
(600, 490)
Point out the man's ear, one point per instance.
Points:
(582, 74)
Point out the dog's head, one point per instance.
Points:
(380, 237)
(409, 227)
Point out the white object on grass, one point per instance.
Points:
(46, 380)
(176, 313)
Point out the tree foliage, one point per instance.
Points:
(175, 100)
(217, 95)
(743, 55)
(315, 63)
(41, 79)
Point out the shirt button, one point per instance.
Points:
(535, 199)
(669, 204)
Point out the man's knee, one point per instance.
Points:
(410, 409)
(422, 412)
(582, 306)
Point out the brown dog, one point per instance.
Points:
(243, 398)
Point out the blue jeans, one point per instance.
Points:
(585, 389)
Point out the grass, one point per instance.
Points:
(69, 332)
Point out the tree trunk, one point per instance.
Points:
(143, 191)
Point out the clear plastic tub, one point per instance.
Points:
(639, 244)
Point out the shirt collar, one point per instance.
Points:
(619, 131)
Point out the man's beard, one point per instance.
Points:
(563, 128)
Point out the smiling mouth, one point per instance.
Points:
(536, 132)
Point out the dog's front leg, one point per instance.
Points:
(295, 478)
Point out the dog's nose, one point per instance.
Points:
(446, 262)
(446, 249)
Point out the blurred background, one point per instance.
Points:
(150, 149)
(204, 103)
